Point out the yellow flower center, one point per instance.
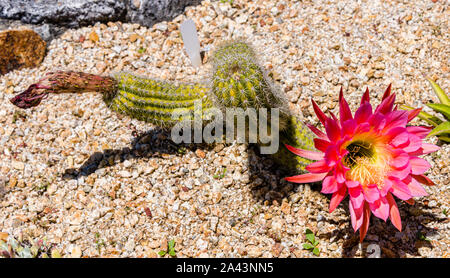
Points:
(367, 162)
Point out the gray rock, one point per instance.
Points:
(67, 13)
(148, 12)
(76, 13)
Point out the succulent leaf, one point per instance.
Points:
(443, 128)
(443, 98)
(441, 108)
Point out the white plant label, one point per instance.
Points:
(191, 42)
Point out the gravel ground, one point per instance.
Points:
(74, 172)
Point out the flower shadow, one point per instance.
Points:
(384, 238)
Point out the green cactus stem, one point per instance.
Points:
(297, 135)
(239, 81)
(156, 101)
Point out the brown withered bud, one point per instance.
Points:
(65, 82)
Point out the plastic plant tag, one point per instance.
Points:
(191, 42)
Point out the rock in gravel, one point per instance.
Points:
(20, 49)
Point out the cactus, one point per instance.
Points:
(155, 101)
(441, 127)
(237, 81)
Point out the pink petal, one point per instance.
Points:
(334, 118)
(362, 128)
(395, 119)
(420, 131)
(401, 173)
(317, 132)
(321, 144)
(380, 208)
(386, 187)
(413, 113)
(349, 127)
(366, 220)
(416, 189)
(366, 97)
(386, 105)
(363, 113)
(344, 110)
(394, 214)
(322, 117)
(318, 167)
(356, 196)
(387, 93)
(305, 178)
(339, 174)
(429, 148)
(329, 185)
(332, 156)
(337, 197)
(400, 139)
(356, 216)
(333, 131)
(418, 165)
(351, 184)
(423, 179)
(400, 190)
(377, 121)
(415, 143)
(371, 193)
(305, 153)
(400, 159)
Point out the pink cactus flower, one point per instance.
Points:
(371, 156)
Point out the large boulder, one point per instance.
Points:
(19, 49)
(76, 13)
(67, 13)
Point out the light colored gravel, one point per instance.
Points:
(146, 194)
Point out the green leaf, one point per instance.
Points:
(307, 246)
(445, 139)
(443, 98)
(309, 235)
(440, 129)
(430, 119)
(162, 253)
(316, 251)
(172, 253)
(441, 108)
(171, 244)
(316, 243)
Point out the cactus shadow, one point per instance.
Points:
(152, 143)
(267, 177)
